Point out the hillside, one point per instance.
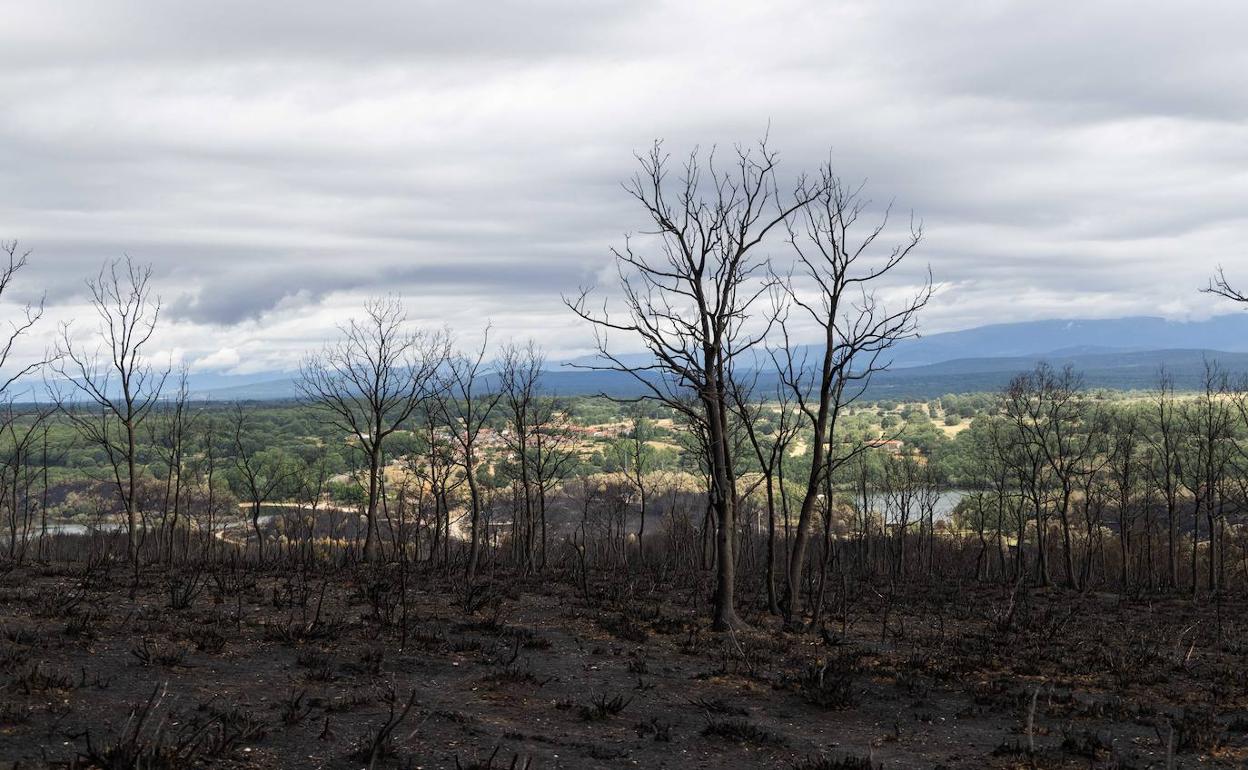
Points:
(1121, 353)
(1117, 370)
(1113, 335)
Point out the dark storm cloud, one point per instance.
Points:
(278, 162)
(247, 295)
(243, 297)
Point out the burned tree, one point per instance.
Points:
(1125, 464)
(108, 393)
(465, 410)
(833, 286)
(170, 436)
(539, 440)
(1046, 413)
(1163, 464)
(689, 303)
(370, 383)
(434, 467)
(1025, 466)
(1208, 427)
(21, 434)
(519, 382)
(1221, 286)
(1053, 420)
(552, 459)
(635, 459)
(13, 261)
(769, 449)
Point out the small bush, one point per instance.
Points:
(845, 762)
(603, 707)
(742, 731)
(830, 687)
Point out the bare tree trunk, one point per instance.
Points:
(371, 535)
(474, 495)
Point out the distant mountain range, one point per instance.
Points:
(1062, 337)
(1111, 369)
(1227, 333)
(1123, 353)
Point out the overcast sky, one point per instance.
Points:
(278, 162)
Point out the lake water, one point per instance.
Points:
(76, 528)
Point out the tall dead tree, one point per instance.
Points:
(834, 287)
(12, 260)
(993, 480)
(20, 430)
(770, 449)
(107, 393)
(1024, 462)
(1208, 427)
(202, 467)
(370, 383)
(435, 468)
(1125, 469)
(1164, 437)
(1209, 431)
(636, 462)
(1052, 415)
(169, 437)
(688, 297)
(551, 459)
(465, 409)
(519, 380)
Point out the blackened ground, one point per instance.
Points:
(238, 667)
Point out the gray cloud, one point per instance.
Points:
(281, 30)
(277, 162)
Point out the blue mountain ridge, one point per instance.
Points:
(1112, 353)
